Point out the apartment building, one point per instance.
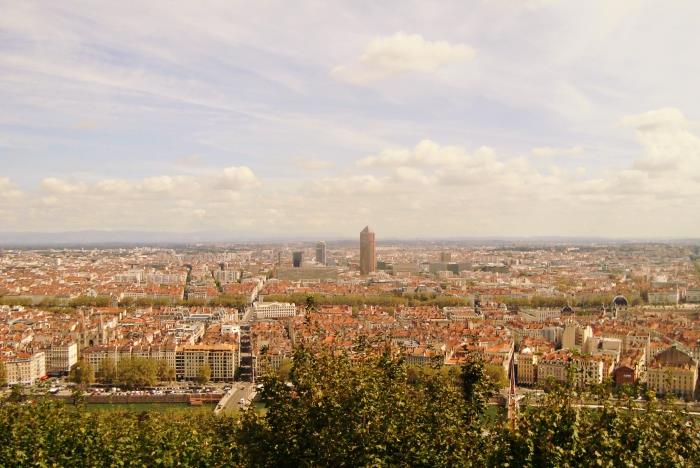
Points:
(540, 315)
(131, 276)
(165, 352)
(668, 296)
(25, 368)
(587, 370)
(462, 313)
(601, 346)
(222, 359)
(226, 276)
(575, 336)
(673, 371)
(268, 310)
(693, 295)
(166, 278)
(527, 367)
(95, 355)
(61, 357)
(555, 366)
(423, 356)
(187, 359)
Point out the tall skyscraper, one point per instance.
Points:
(297, 259)
(445, 257)
(321, 253)
(368, 257)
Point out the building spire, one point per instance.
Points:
(513, 404)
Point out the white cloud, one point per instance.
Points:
(668, 144)
(60, 186)
(402, 53)
(426, 153)
(462, 191)
(166, 202)
(114, 186)
(237, 178)
(160, 184)
(411, 174)
(167, 188)
(8, 190)
(549, 151)
(438, 182)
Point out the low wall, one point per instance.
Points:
(172, 398)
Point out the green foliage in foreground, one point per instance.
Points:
(341, 412)
(52, 434)
(560, 434)
(366, 411)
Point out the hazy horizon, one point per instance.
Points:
(479, 119)
(160, 238)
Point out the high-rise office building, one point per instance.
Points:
(445, 257)
(321, 253)
(297, 259)
(368, 257)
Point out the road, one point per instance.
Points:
(240, 390)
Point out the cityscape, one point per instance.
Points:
(349, 234)
(623, 313)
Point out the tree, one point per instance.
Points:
(137, 372)
(558, 433)
(107, 372)
(356, 410)
(16, 394)
(51, 433)
(84, 301)
(127, 302)
(477, 387)
(166, 372)
(284, 369)
(310, 303)
(204, 374)
(339, 410)
(497, 375)
(3, 374)
(129, 372)
(82, 374)
(78, 395)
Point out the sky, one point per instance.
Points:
(315, 118)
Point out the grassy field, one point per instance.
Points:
(155, 407)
